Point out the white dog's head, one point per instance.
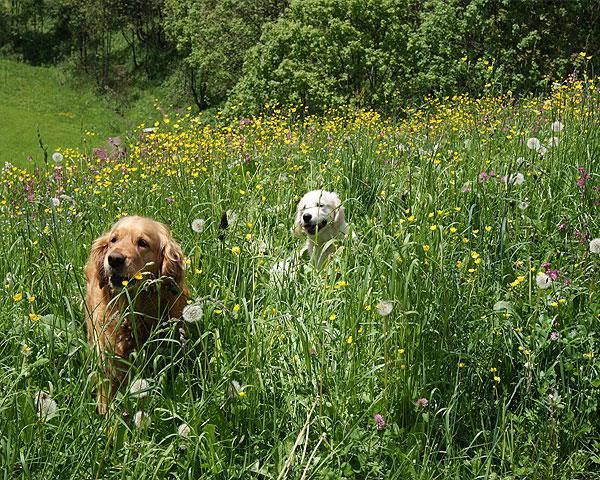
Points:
(320, 213)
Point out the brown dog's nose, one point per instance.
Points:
(116, 260)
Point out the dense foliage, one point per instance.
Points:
(455, 337)
(378, 54)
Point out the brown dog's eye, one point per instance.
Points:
(142, 243)
(113, 240)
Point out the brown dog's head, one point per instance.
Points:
(134, 246)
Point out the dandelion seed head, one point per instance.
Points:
(141, 420)
(198, 225)
(139, 388)
(384, 307)
(543, 281)
(57, 157)
(192, 313)
(45, 406)
(184, 430)
(533, 143)
(595, 245)
(557, 126)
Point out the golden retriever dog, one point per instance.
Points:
(134, 279)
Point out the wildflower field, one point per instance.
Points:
(456, 336)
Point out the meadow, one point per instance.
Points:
(455, 337)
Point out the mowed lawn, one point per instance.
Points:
(46, 100)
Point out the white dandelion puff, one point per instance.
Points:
(557, 126)
(232, 217)
(55, 202)
(553, 141)
(543, 281)
(184, 430)
(141, 420)
(139, 388)
(198, 225)
(57, 157)
(595, 245)
(533, 144)
(384, 307)
(514, 179)
(45, 406)
(192, 313)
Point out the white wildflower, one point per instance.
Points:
(55, 202)
(141, 419)
(45, 406)
(139, 388)
(232, 217)
(57, 157)
(595, 245)
(543, 281)
(198, 225)
(192, 313)
(523, 205)
(384, 307)
(557, 126)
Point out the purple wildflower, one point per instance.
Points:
(422, 402)
(379, 421)
(583, 178)
(554, 336)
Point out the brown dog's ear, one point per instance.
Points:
(94, 268)
(172, 263)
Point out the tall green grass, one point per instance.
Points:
(477, 372)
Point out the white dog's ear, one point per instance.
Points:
(297, 228)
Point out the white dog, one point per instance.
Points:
(319, 217)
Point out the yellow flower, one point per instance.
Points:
(125, 283)
(496, 379)
(236, 307)
(138, 276)
(461, 365)
(242, 393)
(400, 351)
(452, 229)
(18, 297)
(433, 228)
(488, 228)
(368, 308)
(34, 317)
(248, 237)
(236, 250)
(349, 340)
(31, 298)
(332, 317)
(411, 218)
(426, 248)
(361, 329)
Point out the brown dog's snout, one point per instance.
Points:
(116, 260)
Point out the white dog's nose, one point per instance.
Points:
(307, 217)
